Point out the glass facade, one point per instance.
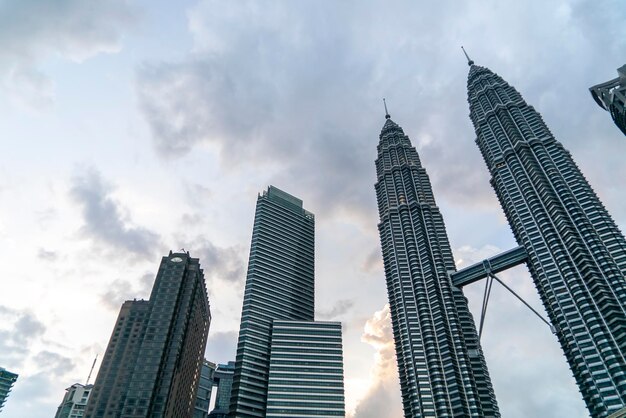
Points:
(223, 378)
(279, 285)
(205, 388)
(576, 253)
(306, 370)
(440, 362)
(155, 355)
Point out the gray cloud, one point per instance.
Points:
(22, 328)
(120, 290)
(47, 255)
(104, 221)
(222, 263)
(32, 30)
(340, 308)
(221, 346)
(373, 262)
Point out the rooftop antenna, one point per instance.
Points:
(387, 116)
(469, 60)
(91, 371)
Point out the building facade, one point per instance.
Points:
(205, 389)
(7, 379)
(279, 285)
(575, 253)
(223, 379)
(278, 332)
(611, 96)
(306, 370)
(154, 358)
(74, 401)
(440, 362)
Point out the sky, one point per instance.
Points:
(132, 128)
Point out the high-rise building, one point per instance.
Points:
(611, 96)
(223, 378)
(74, 401)
(154, 358)
(7, 379)
(306, 370)
(575, 252)
(205, 389)
(440, 362)
(279, 290)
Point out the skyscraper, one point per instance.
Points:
(153, 361)
(7, 379)
(440, 362)
(279, 290)
(306, 370)
(74, 401)
(611, 96)
(575, 253)
(205, 388)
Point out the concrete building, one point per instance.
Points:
(74, 402)
(154, 358)
(440, 362)
(7, 379)
(611, 96)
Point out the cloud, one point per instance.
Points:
(32, 31)
(373, 262)
(339, 309)
(120, 290)
(383, 397)
(104, 220)
(221, 263)
(18, 330)
(221, 346)
(47, 255)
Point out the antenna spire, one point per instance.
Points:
(469, 60)
(387, 116)
(91, 371)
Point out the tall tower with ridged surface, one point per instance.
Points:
(575, 252)
(440, 362)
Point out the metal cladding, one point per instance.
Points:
(611, 96)
(440, 361)
(576, 253)
(279, 286)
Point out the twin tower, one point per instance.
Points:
(574, 251)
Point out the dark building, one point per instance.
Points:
(223, 378)
(575, 253)
(611, 96)
(154, 358)
(440, 362)
(278, 310)
(7, 379)
(279, 285)
(205, 388)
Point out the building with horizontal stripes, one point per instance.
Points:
(7, 379)
(306, 370)
(576, 254)
(279, 290)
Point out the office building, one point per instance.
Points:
(205, 389)
(74, 401)
(306, 370)
(440, 362)
(576, 254)
(611, 96)
(223, 379)
(153, 362)
(279, 290)
(7, 379)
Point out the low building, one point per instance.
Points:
(74, 401)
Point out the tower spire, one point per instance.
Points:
(387, 116)
(470, 62)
